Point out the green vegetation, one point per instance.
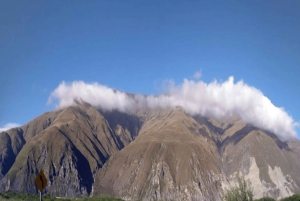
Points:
(295, 197)
(12, 196)
(242, 192)
(266, 199)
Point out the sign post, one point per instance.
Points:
(41, 182)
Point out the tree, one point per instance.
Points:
(266, 199)
(242, 192)
(295, 197)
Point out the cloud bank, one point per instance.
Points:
(8, 126)
(216, 99)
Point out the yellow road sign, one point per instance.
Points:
(41, 181)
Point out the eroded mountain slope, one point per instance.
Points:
(147, 154)
(169, 160)
(75, 143)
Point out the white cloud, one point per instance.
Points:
(197, 74)
(216, 99)
(8, 126)
(94, 93)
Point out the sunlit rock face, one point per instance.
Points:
(148, 154)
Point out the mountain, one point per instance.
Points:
(149, 154)
(70, 145)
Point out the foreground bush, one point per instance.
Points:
(12, 196)
(266, 199)
(242, 192)
(295, 197)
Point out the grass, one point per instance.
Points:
(12, 196)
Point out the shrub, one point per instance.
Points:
(242, 192)
(295, 197)
(266, 199)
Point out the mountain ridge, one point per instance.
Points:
(147, 154)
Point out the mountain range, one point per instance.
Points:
(147, 154)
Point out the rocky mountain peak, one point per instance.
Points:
(149, 154)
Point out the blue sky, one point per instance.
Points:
(134, 46)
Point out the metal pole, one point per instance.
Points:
(40, 196)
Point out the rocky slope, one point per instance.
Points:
(158, 154)
(70, 145)
(169, 160)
